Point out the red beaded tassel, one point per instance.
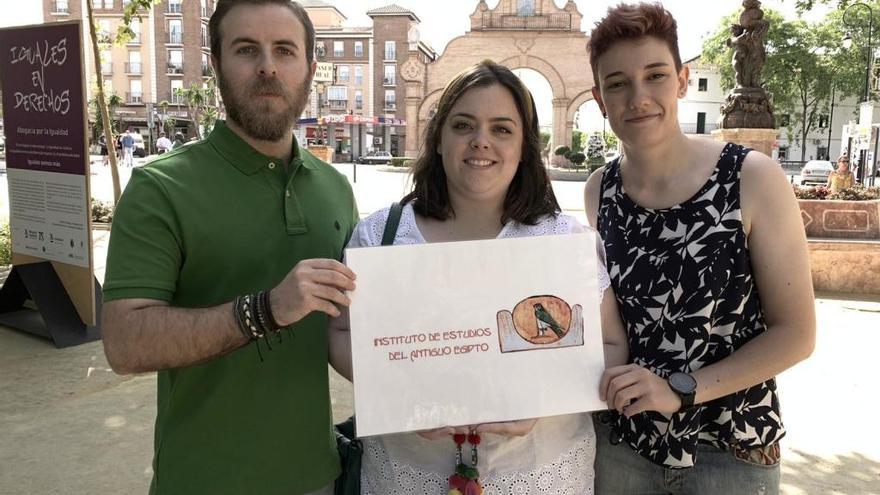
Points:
(466, 480)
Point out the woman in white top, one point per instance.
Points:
(480, 177)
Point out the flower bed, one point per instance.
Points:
(852, 213)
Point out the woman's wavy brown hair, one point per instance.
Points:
(530, 194)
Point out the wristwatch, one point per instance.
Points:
(685, 386)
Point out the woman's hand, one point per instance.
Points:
(631, 389)
(519, 428)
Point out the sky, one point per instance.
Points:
(446, 19)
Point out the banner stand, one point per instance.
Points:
(55, 317)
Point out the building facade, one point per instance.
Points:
(360, 109)
(170, 50)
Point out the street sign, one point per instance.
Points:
(324, 73)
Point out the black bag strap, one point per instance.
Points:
(391, 224)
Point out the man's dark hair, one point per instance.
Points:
(224, 6)
(530, 194)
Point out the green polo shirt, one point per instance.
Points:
(197, 227)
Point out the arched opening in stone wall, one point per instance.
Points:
(542, 93)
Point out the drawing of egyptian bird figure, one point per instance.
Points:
(545, 321)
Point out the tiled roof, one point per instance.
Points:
(315, 3)
(392, 9)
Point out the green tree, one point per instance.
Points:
(578, 140)
(125, 33)
(545, 139)
(804, 61)
(201, 103)
(610, 139)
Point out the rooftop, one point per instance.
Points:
(393, 9)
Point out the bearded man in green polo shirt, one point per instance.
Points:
(224, 249)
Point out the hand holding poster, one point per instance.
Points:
(474, 332)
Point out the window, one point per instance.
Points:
(390, 50)
(783, 153)
(175, 61)
(358, 48)
(703, 85)
(61, 7)
(136, 29)
(342, 73)
(175, 6)
(175, 31)
(338, 49)
(103, 30)
(134, 63)
(135, 94)
(390, 77)
(390, 100)
(822, 153)
(176, 86)
(320, 49)
(358, 75)
(784, 121)
(823, 122)
(525, 7)
(701, 122)
(338, 97)
(204, 10)
(103, 4)
(205, 41)
(206, 65)
(106, 62)
(358, 100)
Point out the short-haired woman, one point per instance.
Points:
(709, 263)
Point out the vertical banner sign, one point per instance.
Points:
(41, 78)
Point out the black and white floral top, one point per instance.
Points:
(683, 281)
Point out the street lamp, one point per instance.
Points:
(847, 42)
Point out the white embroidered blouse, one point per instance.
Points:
(556, 457)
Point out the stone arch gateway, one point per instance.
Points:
(535, 35)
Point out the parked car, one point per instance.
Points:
(375, 157)
(816, 172)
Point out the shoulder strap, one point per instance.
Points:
(391, 224)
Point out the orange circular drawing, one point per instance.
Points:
(542, 319)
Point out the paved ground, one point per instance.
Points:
(69, 425)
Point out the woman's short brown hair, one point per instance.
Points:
(633, 21)
(530, 194)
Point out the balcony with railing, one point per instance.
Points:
(174, 8)
(338, 104)
(134, 98)
(175, 67)
(134, 68)
(390, 106)
(175, 38)
(61, 7)
(176, 98)
(560, 21)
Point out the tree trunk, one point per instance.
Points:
(102, 107)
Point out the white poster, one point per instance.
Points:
(47, 217)
(474, 332)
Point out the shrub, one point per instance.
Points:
(5, 244)
(855, 193)
(562, 151)
(401, 161)
(102, 211)
(577, 158)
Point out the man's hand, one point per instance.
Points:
(631, 389)
(312, 285)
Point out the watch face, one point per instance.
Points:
(682, 383)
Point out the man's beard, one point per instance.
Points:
(256, 119)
